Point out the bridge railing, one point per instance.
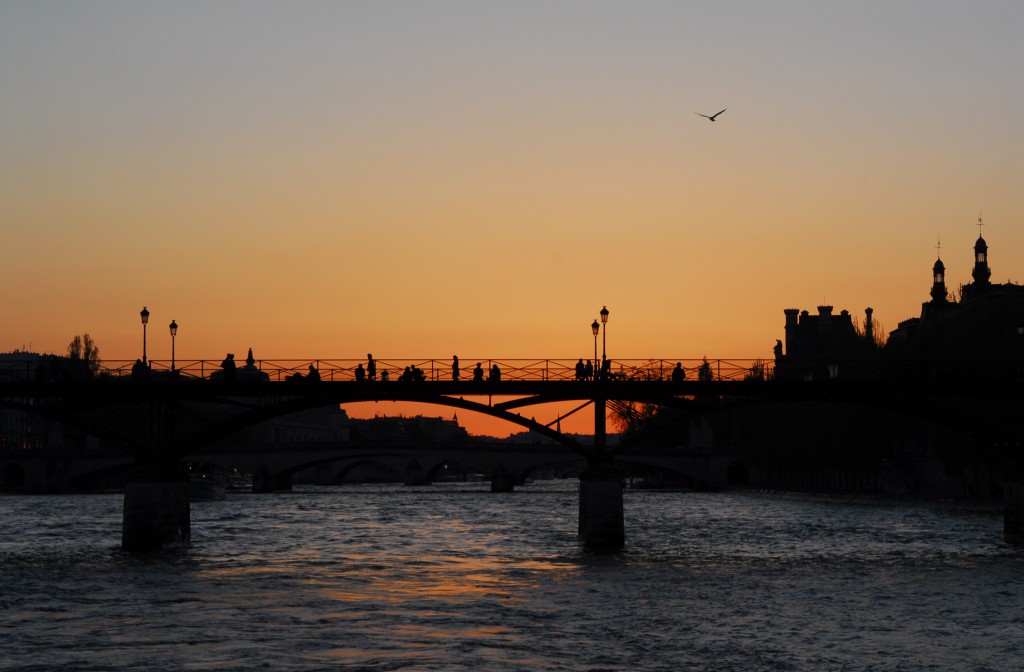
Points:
(49, 368)
(441, 369)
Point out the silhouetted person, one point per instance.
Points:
(139, 369)
(588, 370)
(606, 369)
(313, 374)
(250, 361)
(406, 375)
(580, 369)
(777, 349)
(678, 373)
(228, 365)
(495, 374)
(417, 374)
(455, 368)
(371, 367)
(384, 376)
(478, 374)
(360, 373)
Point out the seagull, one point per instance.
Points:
(712, 117)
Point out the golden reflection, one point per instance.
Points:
(445, 578)
(243, 570)
(377, 654)
(474, 632)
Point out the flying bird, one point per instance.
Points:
(712, 117)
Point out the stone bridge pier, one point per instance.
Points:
(263, 481)
(601, 520)
(156, 513)
(156, 507)
(502, 480)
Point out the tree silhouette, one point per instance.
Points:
(83, 352)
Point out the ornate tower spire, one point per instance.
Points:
(981, 272)
(939, 293)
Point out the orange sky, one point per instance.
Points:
(416, 180)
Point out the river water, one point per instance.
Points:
(453, 577)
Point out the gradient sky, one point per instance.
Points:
(418, 179)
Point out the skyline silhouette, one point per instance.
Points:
(454, 178)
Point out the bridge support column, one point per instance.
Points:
(156, 507)
(502, 480)
(602, 523)
(156, 514)
(263, 481)
(1013, 512)
(415, 474)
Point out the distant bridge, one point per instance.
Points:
(505, 465)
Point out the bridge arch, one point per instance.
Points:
(288, 405)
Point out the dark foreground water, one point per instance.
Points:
(454, 577)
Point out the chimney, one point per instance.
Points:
(791, 323)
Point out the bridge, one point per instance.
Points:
(165, 411)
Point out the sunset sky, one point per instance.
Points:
(422, 179)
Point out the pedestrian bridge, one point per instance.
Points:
(162, 412)
(434, 370)
(196, 402)
(262, 389)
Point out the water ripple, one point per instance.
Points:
(452, 578)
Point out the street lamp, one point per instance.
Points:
(145, 320)
(596, 328)
(174, 332)
(604, 338)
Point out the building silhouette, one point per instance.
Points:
(825, 346)
(978, 335)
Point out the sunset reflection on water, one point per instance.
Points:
(448, 578)
(457, 578)
(416, 564)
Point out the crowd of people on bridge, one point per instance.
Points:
(312, 376)
(590, 370)
(414, 374)
(230, 372)
(584, 370)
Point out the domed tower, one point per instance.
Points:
(981, 272)
(939, 293)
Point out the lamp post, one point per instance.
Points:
(174, 332)
(145, 320)
(604, 337)
(596, 328)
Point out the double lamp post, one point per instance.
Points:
(144, 314)
(596, 328)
